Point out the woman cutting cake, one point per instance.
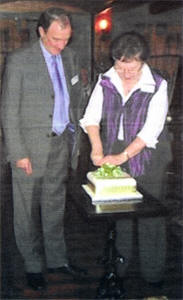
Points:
(125, 120)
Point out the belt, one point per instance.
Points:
(53, 134)
(70, 127)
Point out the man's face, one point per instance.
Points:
(56, 37)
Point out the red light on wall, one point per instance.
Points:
(103, 22)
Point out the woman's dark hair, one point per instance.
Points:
(129, 45)
(50, 15)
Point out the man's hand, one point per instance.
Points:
(25, 164)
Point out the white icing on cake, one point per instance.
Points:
(107, 189)
(110, 184)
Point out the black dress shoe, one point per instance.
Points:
(36, 281)
(74, 271)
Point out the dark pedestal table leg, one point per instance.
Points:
(111, 285)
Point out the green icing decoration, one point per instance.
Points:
(109, 171)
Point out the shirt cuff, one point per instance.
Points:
(150, 142)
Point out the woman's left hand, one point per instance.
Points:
(114, 159)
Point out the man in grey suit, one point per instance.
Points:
(42, 103)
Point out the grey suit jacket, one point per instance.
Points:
(27, 103)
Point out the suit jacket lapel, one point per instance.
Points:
(67, 64)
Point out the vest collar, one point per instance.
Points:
(147, 82)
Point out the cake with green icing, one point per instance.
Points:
(111, 181)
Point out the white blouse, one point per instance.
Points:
(157, 110)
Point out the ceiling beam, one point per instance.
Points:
(35, 6)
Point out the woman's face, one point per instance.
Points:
(128, 69)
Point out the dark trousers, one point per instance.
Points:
(151, 231)
(39, 204)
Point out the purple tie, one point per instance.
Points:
(60, 115)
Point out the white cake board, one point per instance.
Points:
(132, 197)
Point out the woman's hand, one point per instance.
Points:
(136, 146)
(114, 159)
(96, 144)
(96, 157)
(25, 164)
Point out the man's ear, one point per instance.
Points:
(41, 31)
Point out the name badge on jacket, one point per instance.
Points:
(74, 79)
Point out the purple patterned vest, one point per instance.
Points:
(134, 115)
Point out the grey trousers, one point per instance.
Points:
(39, 204)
